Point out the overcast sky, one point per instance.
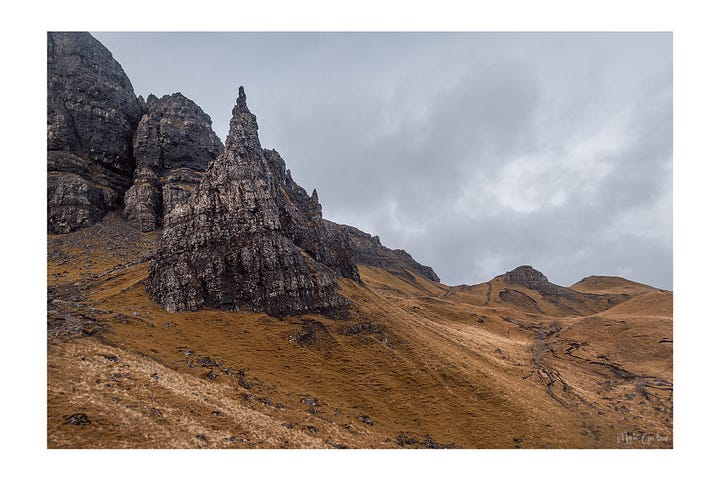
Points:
(474, 152)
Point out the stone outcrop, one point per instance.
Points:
(249, 237)
(528, 277)
(239, 233)
(91, 118)
(367, 250)
(574, 302)
(173, 146)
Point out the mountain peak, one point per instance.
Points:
(524, 273)
(242, 99)
(250, 238)
(243, 134)
(528, 277)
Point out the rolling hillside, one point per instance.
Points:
(516, 362)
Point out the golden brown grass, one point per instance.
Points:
(443, 365)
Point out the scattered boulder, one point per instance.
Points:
(367, 250)
(78, 419)
(208, 362)
(310, 401)
(366, 419)
(311, 332)
(404, 439)
(371, 327)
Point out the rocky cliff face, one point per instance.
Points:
(249, 237)
(91, 117)
(367, 250)
(173, 146)
(528, 277)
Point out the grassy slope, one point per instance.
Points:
(450, 366)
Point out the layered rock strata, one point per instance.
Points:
(249, 237)
(173, 146)
(367, 250)
(92, 114)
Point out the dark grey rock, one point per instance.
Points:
(405, 439)
(369, 327)
(208, 362)
(92, 114)
(78, 419)
(367, 250)
(310, 332)
(366, 419)
(528, 277)
(310, 401)
(173, 146)
(249, 238)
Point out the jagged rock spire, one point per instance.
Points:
(249, 237)
(243, 134)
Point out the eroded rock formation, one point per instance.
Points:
(249, 237)
(367, 250)
(91, 117)
(528, 277)
(173, 146)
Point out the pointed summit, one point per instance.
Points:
(249, 238)
(314, 205)
(243, 137)
(241, 102)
